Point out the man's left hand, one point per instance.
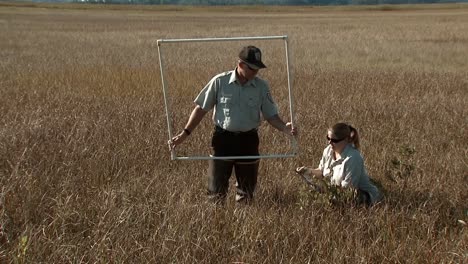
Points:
(290, 130)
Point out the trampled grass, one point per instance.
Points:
(85, 172)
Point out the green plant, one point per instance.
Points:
(402, 166)
(22, 249)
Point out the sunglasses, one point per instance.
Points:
(334, 140)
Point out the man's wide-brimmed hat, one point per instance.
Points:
(252, 56)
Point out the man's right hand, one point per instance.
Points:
(177, 140)
(195, 117)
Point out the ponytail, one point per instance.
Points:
(354, 137)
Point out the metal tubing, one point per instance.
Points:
(291, 112)
(234, 157)
(160, 41)
(164, 84)
(163, 80)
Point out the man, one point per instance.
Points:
(238, 98)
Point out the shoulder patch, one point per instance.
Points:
(270, 98)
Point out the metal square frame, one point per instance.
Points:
(168, 114)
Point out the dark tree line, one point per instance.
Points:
(262, 2)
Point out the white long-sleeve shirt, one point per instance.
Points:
(348, 171)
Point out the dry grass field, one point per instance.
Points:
(86, 175)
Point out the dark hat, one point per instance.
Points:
(252, 56)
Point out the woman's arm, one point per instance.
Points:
(353, 169)
(309, 171)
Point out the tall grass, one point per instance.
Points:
(86, 176)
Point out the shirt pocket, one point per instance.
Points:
(253, 107)
(338, 176)
(253, 103)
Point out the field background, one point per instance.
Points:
(85, 172)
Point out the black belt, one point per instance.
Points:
(227, 132)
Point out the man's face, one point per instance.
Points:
(247, 72)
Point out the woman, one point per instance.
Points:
(342, 162)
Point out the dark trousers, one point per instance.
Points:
(225, 143)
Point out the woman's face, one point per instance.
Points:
(337, 144)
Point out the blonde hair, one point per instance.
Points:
(348, 132)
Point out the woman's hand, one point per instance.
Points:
(304, 170)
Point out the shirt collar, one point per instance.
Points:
(233, 78)
(347, 149)
(343, 156)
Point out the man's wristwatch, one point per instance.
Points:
(186, 131)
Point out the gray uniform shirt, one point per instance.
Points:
(349, 170)
(237, 107)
